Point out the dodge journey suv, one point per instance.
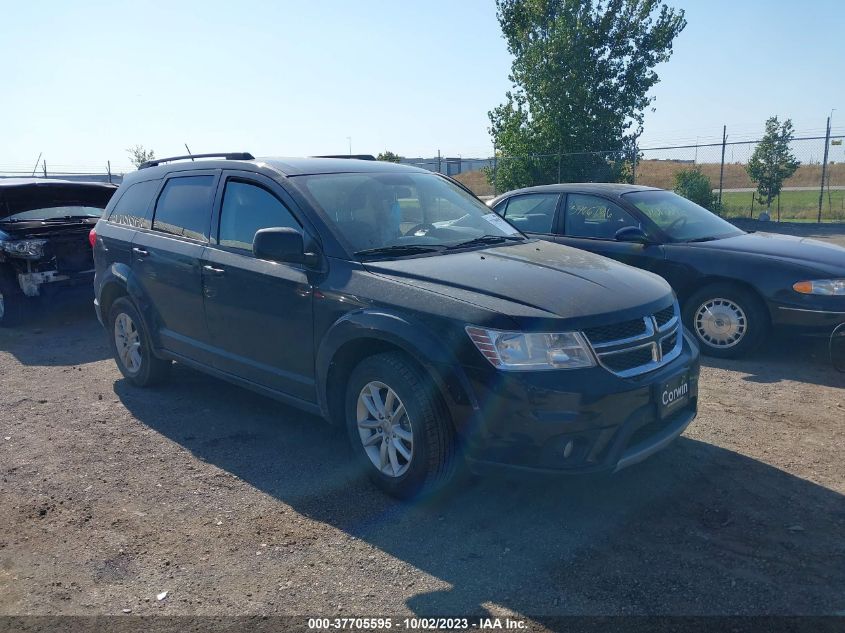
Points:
(391, 301)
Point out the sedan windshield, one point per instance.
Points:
(680, 219)
(400, 214)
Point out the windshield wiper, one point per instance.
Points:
(701, 239)
(487, 239)
(401, 249)
(67, 217)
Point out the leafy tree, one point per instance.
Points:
(138, 155)
(693, 185)
(581, 74)
(389, 157)
(772, 161)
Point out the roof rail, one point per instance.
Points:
(230, 156)
(352, 156)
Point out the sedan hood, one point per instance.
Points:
(802, 251)
(534, 282)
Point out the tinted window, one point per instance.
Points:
(184, 207)
(248, 208)
(594, 217)
(134, 204)
(534, 213)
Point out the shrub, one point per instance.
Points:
(694, 185)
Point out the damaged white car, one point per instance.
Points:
(44, 247)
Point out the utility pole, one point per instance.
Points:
(438, 162)
(108, 166)
(44, 165)
(722, 168)
(824, 168)
(349, 138)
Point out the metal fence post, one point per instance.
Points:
(722, 168)
(634, 163)
(495, 166)
(824, 168)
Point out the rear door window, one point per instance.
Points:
(184, 207)
(133, 207)
(247, 208)
(533, 213)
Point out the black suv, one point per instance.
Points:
(390, 300)
(44, 227)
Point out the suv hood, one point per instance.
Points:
(536, 281)
(799, 250)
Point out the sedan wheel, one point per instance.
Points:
(728, 321)
(385, 429)
(720, 323)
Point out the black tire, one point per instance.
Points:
(756, 319)
(433, 458)
(152, 370)
(13, 302)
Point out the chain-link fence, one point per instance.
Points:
(815, 191)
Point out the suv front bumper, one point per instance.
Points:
(575, 421)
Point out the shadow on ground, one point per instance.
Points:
(786, 357)
(52, 331)
(695, 530)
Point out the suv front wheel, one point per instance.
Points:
(130, 343)
(398, 427)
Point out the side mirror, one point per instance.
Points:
(632, 234)
(282, 244)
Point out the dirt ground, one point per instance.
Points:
(232, 503)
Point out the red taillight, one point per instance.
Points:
(92, 237)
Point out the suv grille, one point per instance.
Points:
(606, 333)
(638, 346)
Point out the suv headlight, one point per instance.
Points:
(521, 351)
(32, 249)
(820, 287)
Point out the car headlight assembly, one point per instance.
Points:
(522, 351)
(820, 287)
(30, 249)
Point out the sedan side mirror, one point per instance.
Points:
(282, 244)
(632, 234)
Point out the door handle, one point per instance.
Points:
(213, 270)
(140, 251)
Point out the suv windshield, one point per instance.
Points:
(403, 213)
(54, 213)
(680, 219)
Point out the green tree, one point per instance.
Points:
(389, 157)
(693, 185)
(581, 74)
(772, 161)
(138, 155)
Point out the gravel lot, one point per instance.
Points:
(233, 503)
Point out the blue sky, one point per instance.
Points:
(85, 80)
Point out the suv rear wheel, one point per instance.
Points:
(398, 427)
(130, 343)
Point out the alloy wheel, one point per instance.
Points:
(385, 429)
(128, 342)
